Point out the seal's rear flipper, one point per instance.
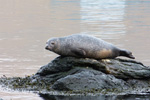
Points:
(131, 56)
(126, 53)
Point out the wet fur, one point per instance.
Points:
(82, 45)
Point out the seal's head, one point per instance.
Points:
(127, 53)
(51, 44)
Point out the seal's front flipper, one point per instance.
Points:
(79, 52)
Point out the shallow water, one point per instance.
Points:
(26, 25)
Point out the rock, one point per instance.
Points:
(89, 79)
(81, 75)
(119, 68)
(59, 64)
(69, 73)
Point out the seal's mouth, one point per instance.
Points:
(47, 48)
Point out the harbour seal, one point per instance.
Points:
(85, 46)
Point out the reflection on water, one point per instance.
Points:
(103, 17)
(26, 25)
(15, 95)
(100, 97)
(60, 97)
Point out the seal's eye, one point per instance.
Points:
(52, 43)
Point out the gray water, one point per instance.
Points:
(25, 26)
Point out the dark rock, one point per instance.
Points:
(60, 64)
(89, 79)
(127, 69)
(80, 75)
(118, 67)
(69, 73)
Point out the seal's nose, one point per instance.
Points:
(46, 48)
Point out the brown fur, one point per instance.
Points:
(104, 53)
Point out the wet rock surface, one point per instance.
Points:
(87, 79)
(80, 75)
